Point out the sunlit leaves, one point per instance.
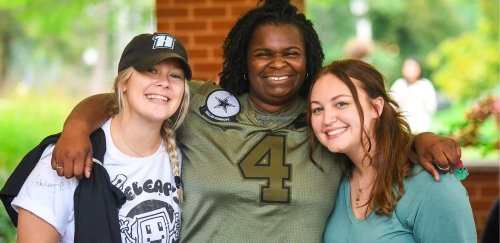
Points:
(466, 67)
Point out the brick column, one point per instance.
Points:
(203, 25)
(483, 188)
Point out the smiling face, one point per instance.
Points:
(276, 62)
(335, 119)
(156, 93)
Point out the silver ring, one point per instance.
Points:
(443, 169)
(58, 166)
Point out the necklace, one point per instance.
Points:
(122, 136)
(360, 191)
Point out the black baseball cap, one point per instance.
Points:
(146, 50)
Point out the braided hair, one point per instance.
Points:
(168, 128)
(276, 12)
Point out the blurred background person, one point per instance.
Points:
(358, 49)
(415, 95)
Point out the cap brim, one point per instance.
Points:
(147, 62)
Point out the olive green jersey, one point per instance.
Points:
(247, 174)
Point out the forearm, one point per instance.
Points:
(72, 154)
(90, 114)
(433, 150)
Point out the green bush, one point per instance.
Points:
(470, 60)
(474, 128)
(24, 121)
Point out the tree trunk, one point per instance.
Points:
(4, 59)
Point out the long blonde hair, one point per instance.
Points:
(168, 127)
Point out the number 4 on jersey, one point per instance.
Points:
(266, 160)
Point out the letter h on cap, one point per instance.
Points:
(163, 41)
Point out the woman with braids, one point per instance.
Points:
(141, 158)
(384, 196)
(246, 172)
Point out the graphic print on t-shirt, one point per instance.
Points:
(152, 219)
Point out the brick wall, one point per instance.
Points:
(202, 26)
(483, 188)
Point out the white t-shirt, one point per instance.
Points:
(418, 102)
(150, 212)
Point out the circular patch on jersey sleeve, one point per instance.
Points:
(221, 106)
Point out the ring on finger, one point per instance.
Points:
(443, 169)
(58, 166)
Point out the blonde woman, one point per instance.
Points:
(142, 158)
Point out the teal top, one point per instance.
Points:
(429, 211)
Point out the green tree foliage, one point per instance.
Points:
(50, 37)
(400, 28)
(334, 23)
(466, 67)
(42, 29)
(41, 45)
(415, 26)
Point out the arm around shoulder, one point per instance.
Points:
(72, 155)
(433, 149)
(90, 113)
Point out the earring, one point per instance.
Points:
(307, 75)
(244, 77)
